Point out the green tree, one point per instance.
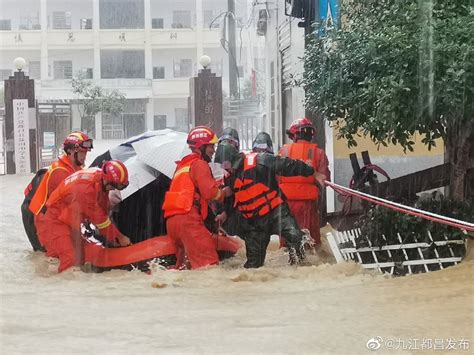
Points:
(94, 99)
(396, 68)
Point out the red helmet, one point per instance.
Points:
(200, 136)
(116, 174)
(298, 125)
(78, 140)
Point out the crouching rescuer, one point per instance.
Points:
(81, 196)
(186, 202)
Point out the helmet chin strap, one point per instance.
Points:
(76, 161)
(204, 155)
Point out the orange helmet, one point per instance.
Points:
(78, 140)
(300, 126)
(200, 136)
(116, 174)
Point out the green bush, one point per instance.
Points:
(381, 226)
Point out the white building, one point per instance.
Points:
(147, 49)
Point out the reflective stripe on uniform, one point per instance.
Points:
(186, 169)
(104, 224)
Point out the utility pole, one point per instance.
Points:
(233, 90)
(316, 117)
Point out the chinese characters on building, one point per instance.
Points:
(208, 103)
(21, 136)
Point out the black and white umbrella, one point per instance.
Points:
(147, 156)
(139, 215)
(151, 161)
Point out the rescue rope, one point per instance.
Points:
(402, 208)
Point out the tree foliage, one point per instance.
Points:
(94, 99)
(394, 68)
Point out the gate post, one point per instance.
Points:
(206, 98)
(19, 87)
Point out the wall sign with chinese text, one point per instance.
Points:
(21, 136)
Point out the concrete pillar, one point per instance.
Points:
(96, 31)
(150, 113)
(44, 40)
(98, 126)
(199, 31)
(148, 50)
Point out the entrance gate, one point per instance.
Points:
(53, 125)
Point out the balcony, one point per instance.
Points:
(211, 38)
(124, 83)
(173, 38)
(183, 38)
(59, 39)
(174, 88)
(122, 38)
(160, 38)
(20, 40)
(132, 88)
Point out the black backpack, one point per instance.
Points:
(27, 215)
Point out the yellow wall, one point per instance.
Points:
(342, 151)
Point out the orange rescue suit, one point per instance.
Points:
(185, 209)
(57, 172)
(254, 198)
(182, 193)
(80, 196)
(300, 187)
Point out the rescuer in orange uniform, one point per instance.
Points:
(76, 145)
(82, 195)
(302, 192)
(186, 202)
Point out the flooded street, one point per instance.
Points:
(328, 308)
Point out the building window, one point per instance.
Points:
(5, 25)
(30, 22)
(62, 69)
(86, 73)
(34, 70)
(181, 115)
(118, 14)
(122, 64)
(217, 66)
(159, 122)
(5, 74)
(158, 72)
(183, 68)
(61, 20)
(209, 19)
(181, 19)
(112, 126)
(157, 23)
(86, 23)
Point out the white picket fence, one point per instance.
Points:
(344, 248)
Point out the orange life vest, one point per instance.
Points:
(42, 193)
(300, 187)
(182, 194)
(254, 198)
